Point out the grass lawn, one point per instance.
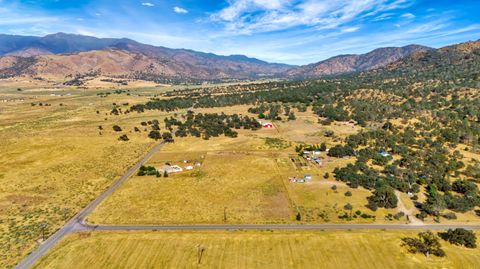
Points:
(249, 249)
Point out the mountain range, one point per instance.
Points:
(66, 56)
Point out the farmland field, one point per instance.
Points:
(54, 160)
(241, 180)
(248, 249)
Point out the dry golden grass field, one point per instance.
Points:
(248, 249)
(54, 161)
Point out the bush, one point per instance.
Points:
(366, 216)
(117, 128)
(421, 216)
(298, 217)
(398, 215)
(348, 193)
(460, 237)
(123, 137)
(450, 215)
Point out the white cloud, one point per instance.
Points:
(251, 16)
(408, 16)
(384, 16)
(148, 4)
(26, 20)
(180, 10)
(350, 29)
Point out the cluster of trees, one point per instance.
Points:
(340, 151)
(428, 243)
(117, 91)
(147, 171)
(289, 94)
(433, 166)
(460, 237)
(210, 124)
(41, 104)
(275, 111)
(229, 89)
(300, 148)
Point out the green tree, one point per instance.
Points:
(383, 196)
(460, 237)
(427, 243)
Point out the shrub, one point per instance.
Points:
(123, 137)
(398, 215)
(298, 217)
(449, 215)
(117, 128)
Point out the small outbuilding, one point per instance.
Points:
(267, 125)
(383, 153)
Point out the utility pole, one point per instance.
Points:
(43, 227)
(200, 250)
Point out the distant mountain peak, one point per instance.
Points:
(76, 54)
(356, 62)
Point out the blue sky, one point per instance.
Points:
(287, 31)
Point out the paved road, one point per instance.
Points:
(216, 227)
(77, 223)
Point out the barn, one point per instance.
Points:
(267, 125)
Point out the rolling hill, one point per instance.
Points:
(66, 55)
(69, 57)
(459, 62)
(355, 63)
